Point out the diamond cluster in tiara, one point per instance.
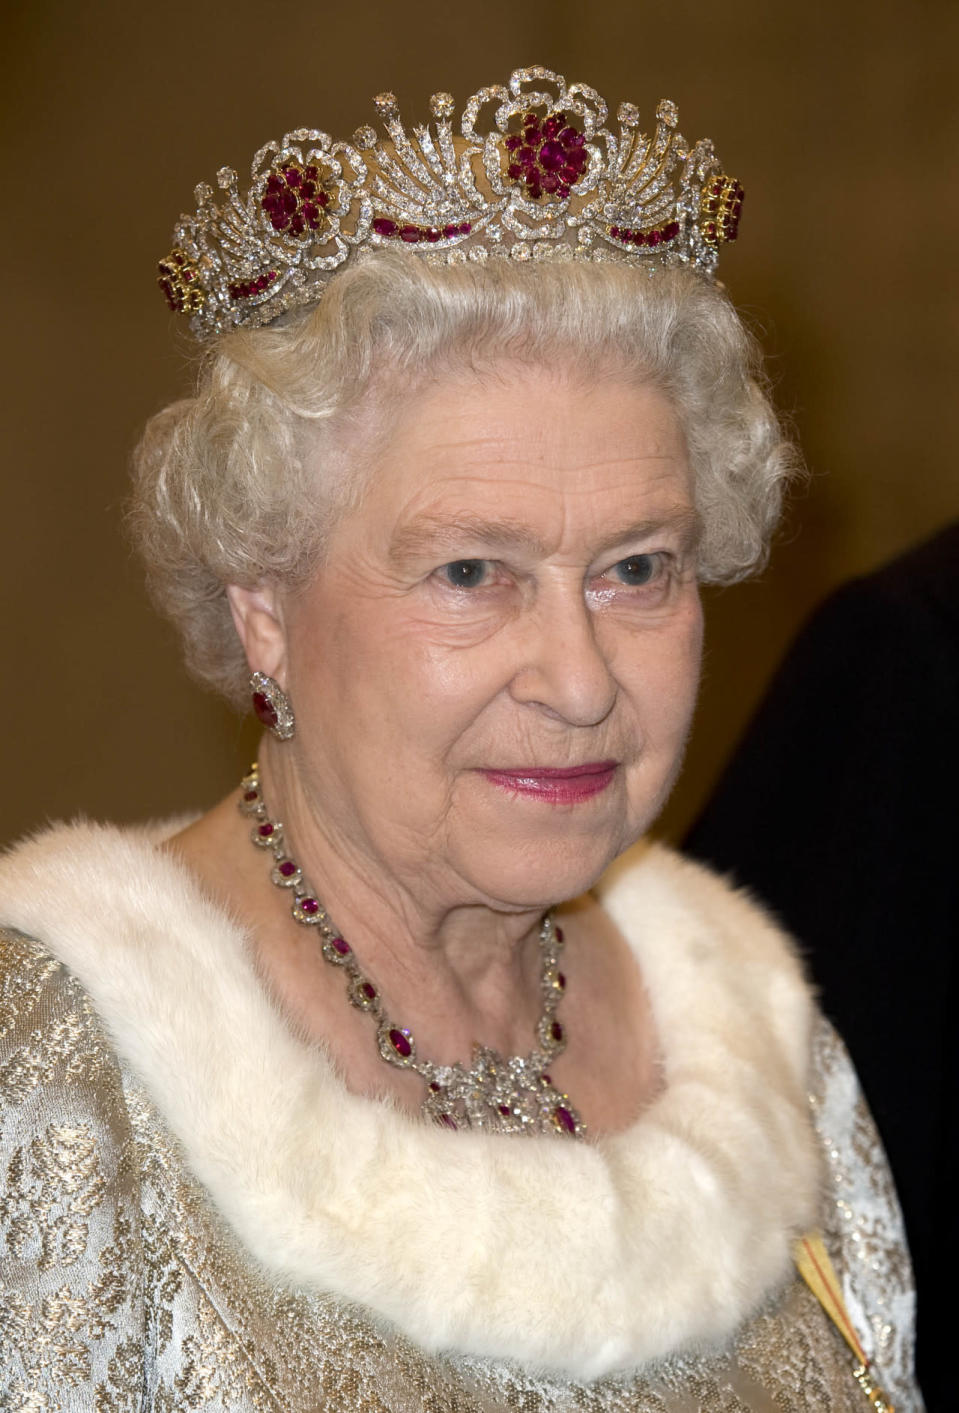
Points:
(543, 179)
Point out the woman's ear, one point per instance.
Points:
(259, 624)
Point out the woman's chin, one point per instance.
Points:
(527, 873)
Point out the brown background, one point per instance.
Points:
(840, 119)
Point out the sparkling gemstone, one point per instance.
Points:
(293, 176)
(450, 231)
(287, 868)
(384, 226)
(309, 906)
(513, 141)
(551, 156)
(552, 125)
(564, 1118)
(251, 795)
(310, 173)
(465, 227)
(556, 1031)
(324, 198)
(434, 1086)
(411, 234)
(504, 1109)
(368, 990)
(561, 981)
(614, 231)
(653, 238)
(402, 1046)
(433, 235)
(558, 930)
(340, 945)
(265, 831)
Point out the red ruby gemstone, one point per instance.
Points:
(433, 235)
(311, 173)
(639, 238)
(308, 190)
(653, 238)
(614, 231)
(564, 1118)
(340, 944)
(558, 930)
(309, 906)
(514, 170)
(449, 231)
(324, 198)
(411, 234)
(556, 1031)
(293, 176)
(402, 1046)
(384, 227)
(561, 981)
(550, 182)
(251, 795)
(569, 175)
(287, 868)
(504, 1109)
(368, 990)
(513, 141)
(265, 830)
(465, 227)
(546, 1078)
(434, 1086)
(551, 156)
(552, 125)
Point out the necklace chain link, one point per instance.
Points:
(513, 1094)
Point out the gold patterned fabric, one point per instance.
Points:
(122, 1288)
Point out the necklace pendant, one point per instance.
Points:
(499, 1095)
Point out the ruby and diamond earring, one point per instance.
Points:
(272, 705)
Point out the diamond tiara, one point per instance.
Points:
(546, 180)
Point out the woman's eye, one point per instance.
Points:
(637, 570)
(466, 573)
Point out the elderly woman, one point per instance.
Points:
(377, 1086)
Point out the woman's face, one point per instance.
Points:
(494, 671)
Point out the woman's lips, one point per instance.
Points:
(567, 785)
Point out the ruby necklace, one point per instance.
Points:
(512, 1094)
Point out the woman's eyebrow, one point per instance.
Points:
(431, 534)
(437, 532)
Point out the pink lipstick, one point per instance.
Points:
(568, 785)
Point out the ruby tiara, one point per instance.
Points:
(543, 179)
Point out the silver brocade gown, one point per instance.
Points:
(123, 1289)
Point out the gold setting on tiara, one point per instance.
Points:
(544, 179)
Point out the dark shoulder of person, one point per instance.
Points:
(838, 810)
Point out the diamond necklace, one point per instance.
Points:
(506, 1095)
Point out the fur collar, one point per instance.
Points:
(581, 1259)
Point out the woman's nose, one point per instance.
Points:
(563, 667)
